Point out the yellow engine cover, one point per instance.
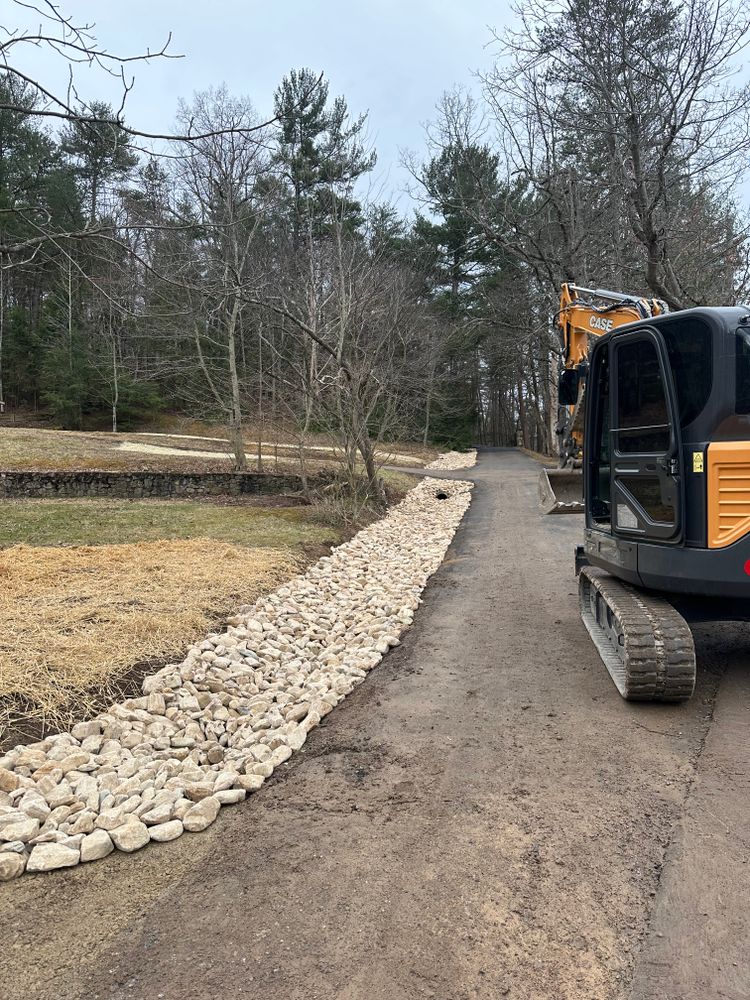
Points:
(728, 486)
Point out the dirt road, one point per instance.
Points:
(484, 817)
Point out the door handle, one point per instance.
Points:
(669, 465)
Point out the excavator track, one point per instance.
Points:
(645, 644)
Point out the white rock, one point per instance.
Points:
(251, 782)
(86, 729)
(263, 768)
(11, 866)
(161, 813)
(131, 836)
(60, 795)
(35, 805)
(74, 840)
(19, 829)
(201, 815)
(96, 845)
(230, 796)
(73, 761)
(226, 779)
(181, 806)
(8, 780)
(14, 847)
(279, 755)
(47, 857)
(87, 791)
(199, 790)
(296, 740)
(109, 819)
(163, 832)
(156, 703)
(83, 822)
(297, 712)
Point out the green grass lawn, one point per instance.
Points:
(105, 522)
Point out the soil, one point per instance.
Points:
(484, 817)
(26, 729)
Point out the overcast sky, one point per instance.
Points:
(393, 58)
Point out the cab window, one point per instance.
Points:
(642, 408)
(742, 372)
(689, 346)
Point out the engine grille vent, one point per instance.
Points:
(728, 492)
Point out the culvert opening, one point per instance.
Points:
(441, 495)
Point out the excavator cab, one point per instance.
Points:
(584, 315)
(667, 448)
(666, 482)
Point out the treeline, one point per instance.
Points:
(243, 274)
(237, 278)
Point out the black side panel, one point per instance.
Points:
(613, 554)
(683, 570)
(696, 500)
(711, 609)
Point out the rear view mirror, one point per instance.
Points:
(567, 387)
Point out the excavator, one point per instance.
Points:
(658, 417)
(583, 314)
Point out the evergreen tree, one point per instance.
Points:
(36, 190)
(456, 181)
(321, 151)
(100, 150)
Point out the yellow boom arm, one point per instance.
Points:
(591, 312)
(585, 313)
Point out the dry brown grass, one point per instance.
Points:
(548, 460)
(24, 448)
(74, 620)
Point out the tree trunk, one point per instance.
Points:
(522, 414)
(115, 376)
(235, 420)
(428, 398)
(260, 398)
(2, 328)
(367, 451)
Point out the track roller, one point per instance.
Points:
(646, 645)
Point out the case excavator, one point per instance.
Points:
(583, 314)
(662, 434)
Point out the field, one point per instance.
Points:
(33, 448)
(109, 522)
(95, 594)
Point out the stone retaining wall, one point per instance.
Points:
(142, 485)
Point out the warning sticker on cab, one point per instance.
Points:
(697, 461)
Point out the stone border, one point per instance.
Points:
(79, 484)
(210, 730)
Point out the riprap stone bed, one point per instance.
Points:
(210, 730)
(451, 460)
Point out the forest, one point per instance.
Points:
(238, 269)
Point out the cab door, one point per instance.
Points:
(646, 485)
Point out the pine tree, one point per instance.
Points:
(321, 151)
(456, 181)
(100, 150)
